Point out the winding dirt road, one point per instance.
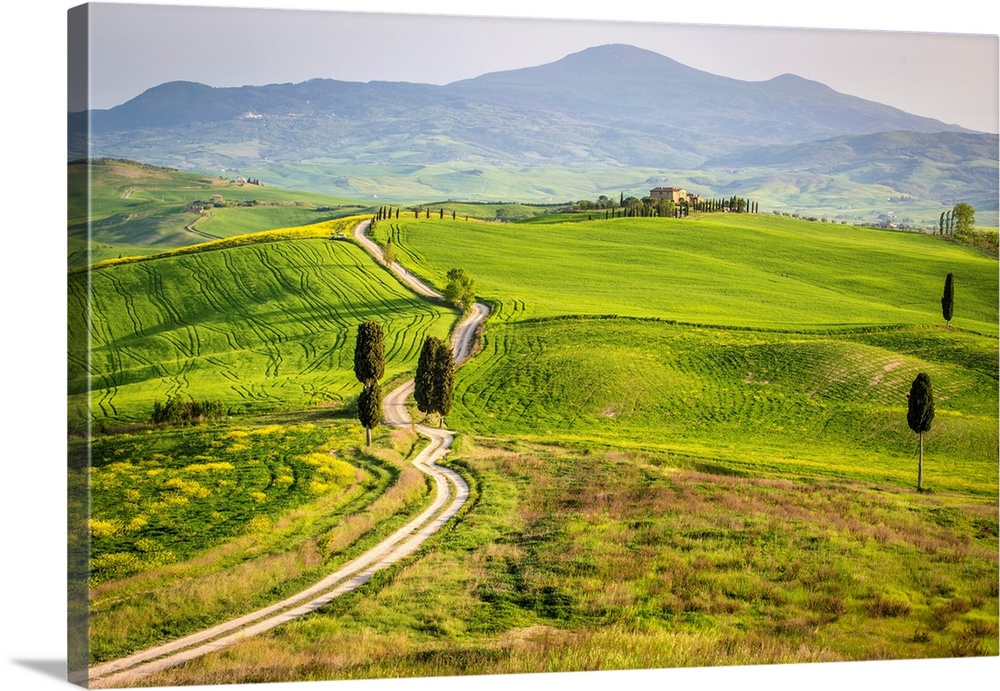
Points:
(452, 493)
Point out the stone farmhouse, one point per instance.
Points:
(676, 195)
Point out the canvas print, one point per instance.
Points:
(409, 345)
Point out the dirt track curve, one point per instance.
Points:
(452, 493)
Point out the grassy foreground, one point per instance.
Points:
(607, 559)
(194, 525)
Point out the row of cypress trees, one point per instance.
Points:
(434, 383)
(961, 218)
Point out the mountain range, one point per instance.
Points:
(613, 105)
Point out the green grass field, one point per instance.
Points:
(716, 269)
(686, 442)
(768, 345)
(572, 560)
(756, 402)
(255, 325)
(139, 209)
(190, 525)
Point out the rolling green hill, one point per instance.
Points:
(685, 442)
(141, 209)
(764, 344)
(257, 326)
(720, 269)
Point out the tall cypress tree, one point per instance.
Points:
(948, 299)
(370, 408)
(369, 352)
(423, 381)
(434, 383)
(443, 372)
(919, 416)
(369, 366)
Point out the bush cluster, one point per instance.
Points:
(176, 410)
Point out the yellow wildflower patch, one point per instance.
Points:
(136, 523)
(214, 467)
(269, 429)
(103, 529)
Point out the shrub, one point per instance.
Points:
(888, 606)
(176, 410)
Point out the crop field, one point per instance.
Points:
(136, 209)
(191, 525)
(819, 404)
(717, 269)
(762, 343)
(255, 325)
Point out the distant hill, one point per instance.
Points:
(613, 106)
(616, 104)
(947, 166)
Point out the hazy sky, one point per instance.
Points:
(952, 77)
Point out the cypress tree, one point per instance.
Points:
(919, 416)
(423, 381)
(948, 299)
(941, 224)
(443, 373)
(369, 352)
(370, 408)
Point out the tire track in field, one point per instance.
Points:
(208, 288)
(258, 326)
(317, 308)
(452, 493)
(300, 261)
(129, 301)
(406, 342)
